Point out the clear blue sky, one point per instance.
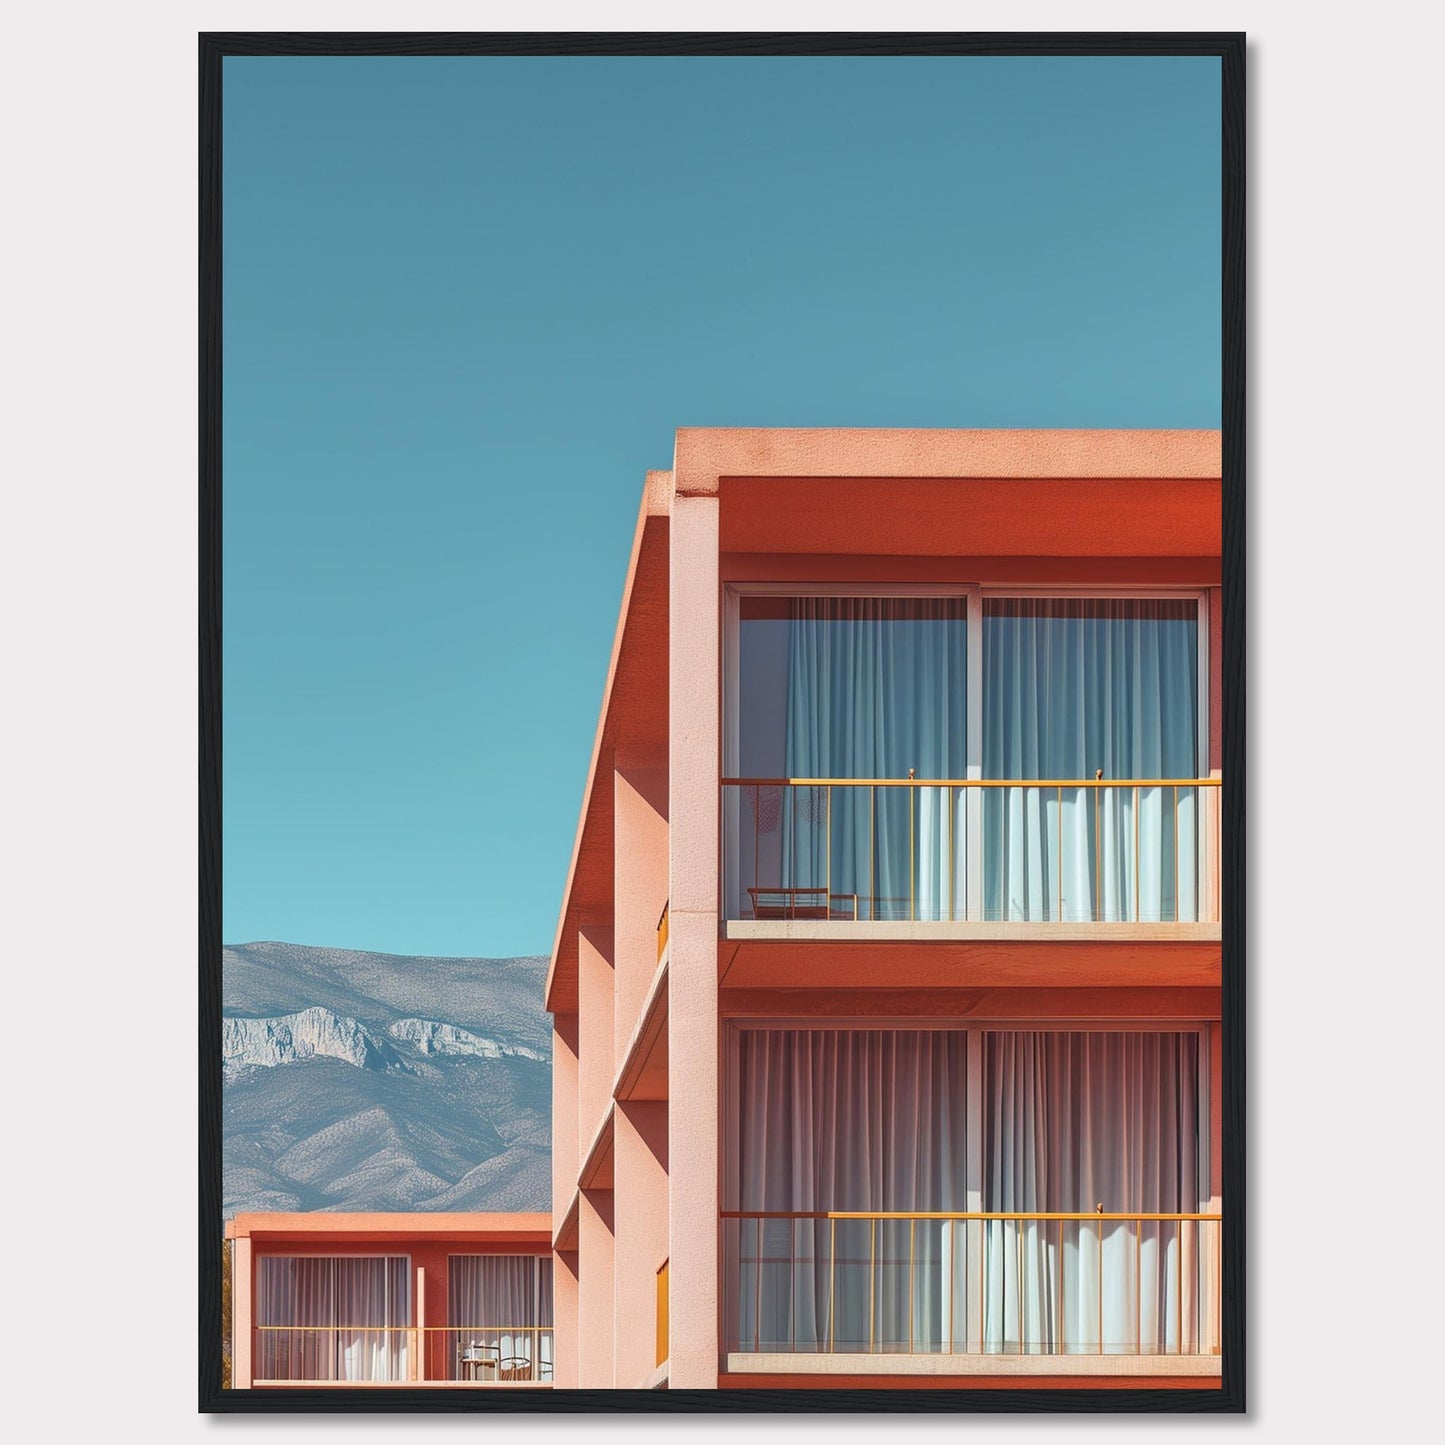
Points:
(467, 303)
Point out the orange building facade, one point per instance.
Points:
(387, 1300)
(886, 984)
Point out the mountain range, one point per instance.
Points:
(373, 1081)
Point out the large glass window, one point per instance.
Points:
(863, 794)
(322, 1317)
(877, 1206)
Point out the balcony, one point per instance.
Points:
(808, 857)
(391, 1355)
(973, 1293)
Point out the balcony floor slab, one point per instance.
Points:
(848, 931)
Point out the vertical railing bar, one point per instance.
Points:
(1218, 1280)
(792, 1284)
(1099, 1282)
(1059, 916)
(982, 1272)
(1179, 1301)
(912, 1225)
(1063, 1273)
(872, 883)
(1176, 853)
(952, 1266)
(795, 875)
(1019, 1235)
(950, 872)
(757, 808)
(828, 858)
(1138, 1287)
(758, 1289)
(832, 1276)
(911, 865)
(1098, 860)
(872, 1249)
(1137, 915)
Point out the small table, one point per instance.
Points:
(772, 903)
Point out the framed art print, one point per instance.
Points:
(722, 723)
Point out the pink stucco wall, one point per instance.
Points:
(594, 1293)
(693, 721)
(565, 1112)
(566, 1331)
(594, 1028)
(639, 884)
(641, 1236)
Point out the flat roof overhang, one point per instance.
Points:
(633, 715)
(321, 1226)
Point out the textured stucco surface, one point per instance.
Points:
(702, 455)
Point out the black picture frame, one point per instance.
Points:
(1230, 48)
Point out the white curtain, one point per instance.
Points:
(851, 1120)
(1072, 1121)
(340, 1318)
(501, 1305)
(1074, 687)
(876, 687)
(876, 1121)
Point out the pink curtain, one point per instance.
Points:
(849, 1120)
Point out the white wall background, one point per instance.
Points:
(97, 595)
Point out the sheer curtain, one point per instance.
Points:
(1072, 1121)
(1078, 686)
(352, 1314)
(852, 1120)
(876, 686)
(494, 1301)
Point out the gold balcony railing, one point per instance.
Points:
(992, 850)
(1042, 1283)
(662, 932)
(403, 1354)
(662, 1306)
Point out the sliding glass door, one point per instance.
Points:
(1103, 1124)
(881, 1204)
(835, 1126)
(852, 688)
(863, 787)
(322, 1317)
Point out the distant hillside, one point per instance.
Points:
(371, 1081)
